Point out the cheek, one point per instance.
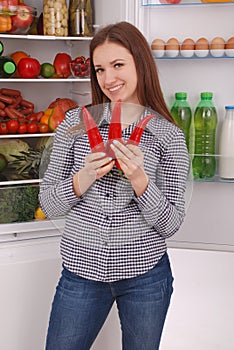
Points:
(100, 80)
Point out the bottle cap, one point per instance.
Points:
(206, 95)
(181, 95)
(229, 107)
(1, 48)
(9, 67)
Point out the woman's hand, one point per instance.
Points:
(131, 160)
(96, 165)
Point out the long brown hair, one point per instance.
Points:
(148, 88)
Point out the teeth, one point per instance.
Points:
(115, 88)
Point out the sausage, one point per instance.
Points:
(10, 113)
(27, 104)
(26, 111)
(16, 112)
(17, 101)
(2, 113)
(10, 92)
(6, 99)
(2, 105)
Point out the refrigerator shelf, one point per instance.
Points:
(157, 3)
(20, 182)
(194, 57)
(23, 230)
(16, 136)
(44, 37)
(49, 80)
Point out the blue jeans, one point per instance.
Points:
(81, 306)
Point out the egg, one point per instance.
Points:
(201, 47)
(217, 46)
(202, 44)
(187, 47)
(158, 47)
(230, 43)
(229, 47)
(172, 47)
(158, 44)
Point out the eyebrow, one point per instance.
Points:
(112, 62)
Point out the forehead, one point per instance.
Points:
(109, 52)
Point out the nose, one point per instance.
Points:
(109, 77)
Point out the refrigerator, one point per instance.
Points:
(201, 253)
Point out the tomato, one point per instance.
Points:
(12, 126)
(22, 129)
(32, 117)
(3, 128)
(29, 68)
(43, 128)
(32, 128)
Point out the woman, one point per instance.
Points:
(113, 245)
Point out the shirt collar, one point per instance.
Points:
(151, 126)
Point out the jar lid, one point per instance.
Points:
(229, 107)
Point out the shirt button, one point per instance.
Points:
(107, 217)
(107, 195)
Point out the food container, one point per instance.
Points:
(55, 17)
(17, 20)
(80, 70)
(18, 203)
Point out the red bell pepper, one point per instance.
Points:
(29, 67)
(94, 136)
(62, 65)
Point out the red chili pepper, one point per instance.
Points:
(135, 137)
(115, 131)
(94, 136)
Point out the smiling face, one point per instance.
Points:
(116, 72)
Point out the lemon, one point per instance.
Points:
(47, 70)
(39, 215)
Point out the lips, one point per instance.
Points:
(116, 88)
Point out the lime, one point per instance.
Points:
(47, 70)
(3, 162)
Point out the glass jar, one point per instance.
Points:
(80, 18)
(55, 17)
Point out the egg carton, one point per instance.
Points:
(172, 48)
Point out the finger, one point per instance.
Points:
(135, 149)
(121, 150)
(94, 156)
(104, 169)
(118, 154)
(102, 162)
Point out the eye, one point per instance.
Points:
(118, 65)
(99, 70)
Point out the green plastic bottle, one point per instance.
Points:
(205, 124)
(182, 115)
